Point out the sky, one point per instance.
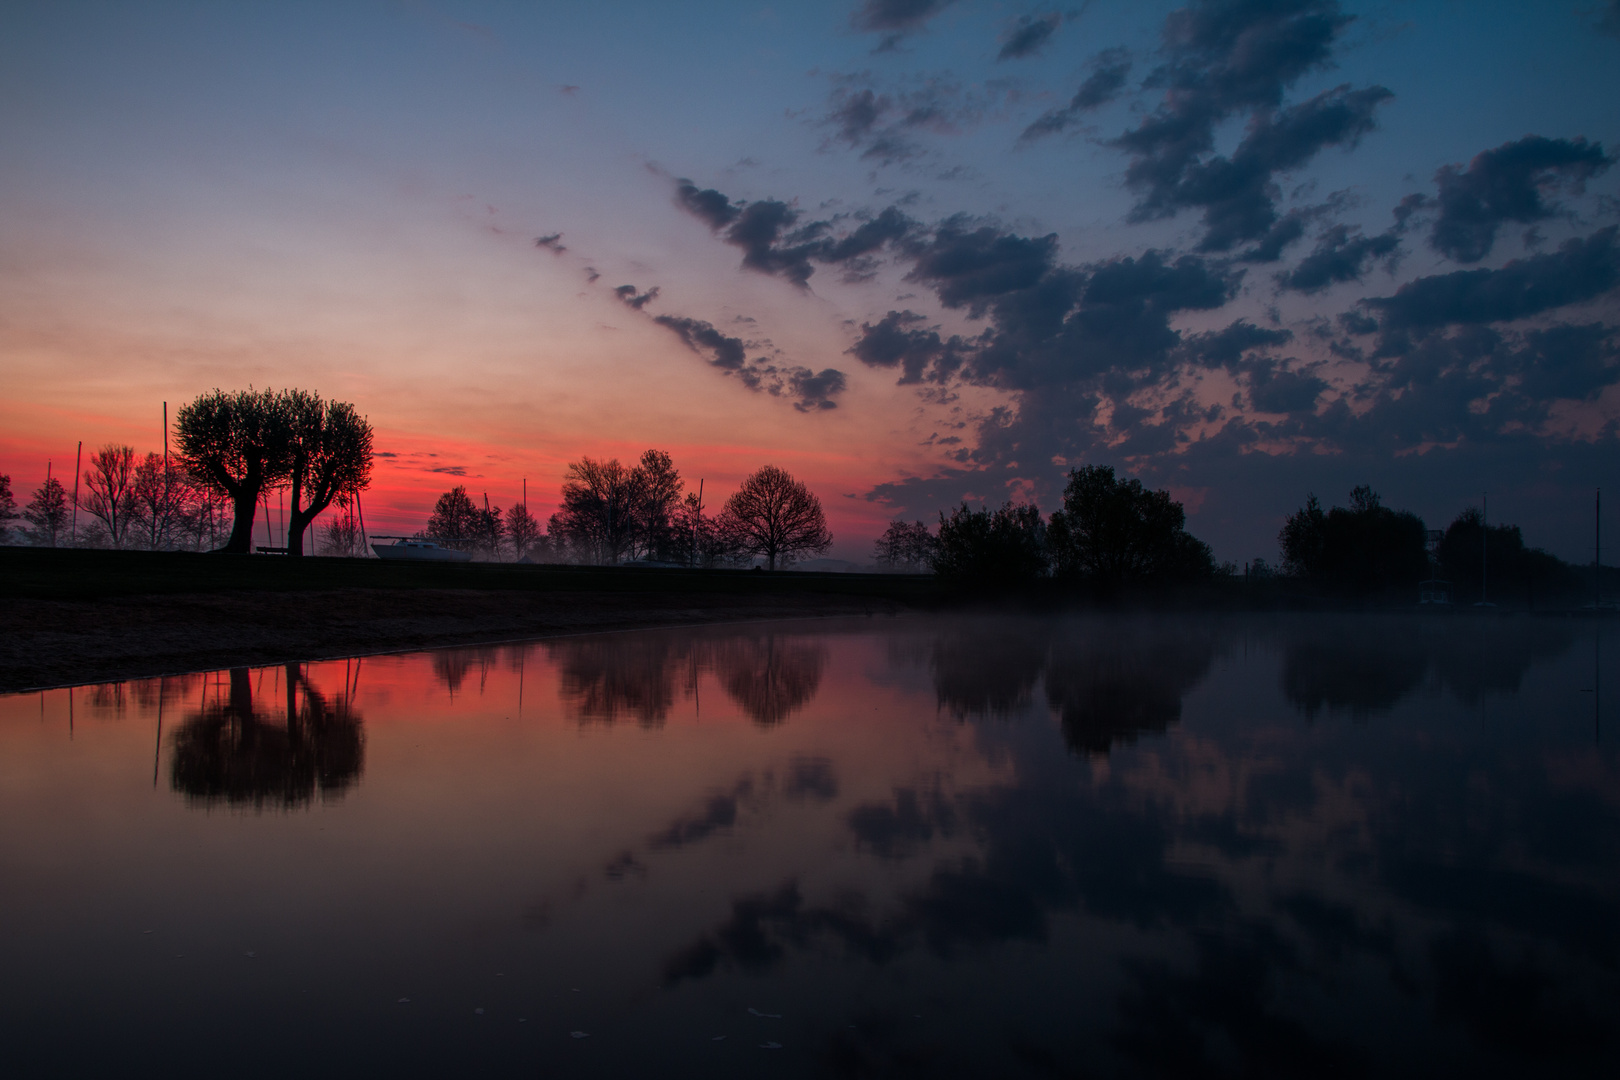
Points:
(917, 252)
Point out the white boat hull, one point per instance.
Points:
(407, 551)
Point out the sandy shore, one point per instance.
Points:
(62, 642)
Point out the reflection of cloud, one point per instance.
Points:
(718, 812)
(770, 676)
(229, 753)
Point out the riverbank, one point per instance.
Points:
(93, 616)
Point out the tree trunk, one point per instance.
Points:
(245, 501)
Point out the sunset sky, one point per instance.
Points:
(914, 251)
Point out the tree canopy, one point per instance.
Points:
(991, 547)
(774, 516)
(237, 444)
(1112, 532)
(330, 445)
(1360, 549)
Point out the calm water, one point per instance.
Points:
(1100, 847)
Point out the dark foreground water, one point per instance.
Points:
(987, 847)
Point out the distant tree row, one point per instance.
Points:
(1109, 533)
(1366, 549)
(611, 514)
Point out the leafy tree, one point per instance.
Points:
(597, 520)
(47, 512)
(1301, 539)
(109, 490)
(775, 516)
(524, 533)
(330, 446)
(984, 547)
(8, 506)
(455, 521)
(1365, 547)
(906, 547)
(1112, 532)
(236, 445)
(1472, 556)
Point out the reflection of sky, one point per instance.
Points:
(347, 197)
(915, 863)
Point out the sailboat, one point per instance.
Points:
(414, 549)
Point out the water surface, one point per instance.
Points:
(992, 846)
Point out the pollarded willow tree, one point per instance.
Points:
(241, 444)
(238, 445)
(331, 457)
(777, 517)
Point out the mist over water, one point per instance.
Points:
(1111, 846)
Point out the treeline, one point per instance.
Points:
(1366, 549)
(612, 514)
(1109, 533)
(231, 451)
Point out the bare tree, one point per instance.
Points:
(776, 516)
(656, 488)
(8, 507)
(331, 456)
(160, 499)
(597, 520)
(341, 535)
(109, 492)
(237, 445)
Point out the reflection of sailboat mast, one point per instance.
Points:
(1597, 643)
(157, 747)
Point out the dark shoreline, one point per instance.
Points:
(80, 616)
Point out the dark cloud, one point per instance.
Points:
(884, 124)
(774, 242)
(1274, 389)
(812, 390)
(1029, 35)
(1341, 254)
(628, 294)
(1231, 346)
(1579, 270)
(724, 352)
(1609, 22)
(1229, 57)
(552, 242)
(1112, 68)
(1237, 195)
(969, 267)
(900, 340)
(889, 16)
(1507, 184)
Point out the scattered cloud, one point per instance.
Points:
(1507, 184)
(1028, 35)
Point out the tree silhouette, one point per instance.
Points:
(904, 547)
(454, 521)
(777, 517)
(991, 548)
(1113, 531)
(109, 490)
(47, 512)
(1363, 548)
(330, 457)
(8, 507)
(597, 519)
(237, 445)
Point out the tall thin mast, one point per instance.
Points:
(1484, 546)
(73, 537)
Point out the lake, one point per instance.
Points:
(955, 846)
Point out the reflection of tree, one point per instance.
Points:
(770, 676)
(606, 678)
(989, 671)
(1111, 683)
(1369, 665)
(229, 753)
(452, 665)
